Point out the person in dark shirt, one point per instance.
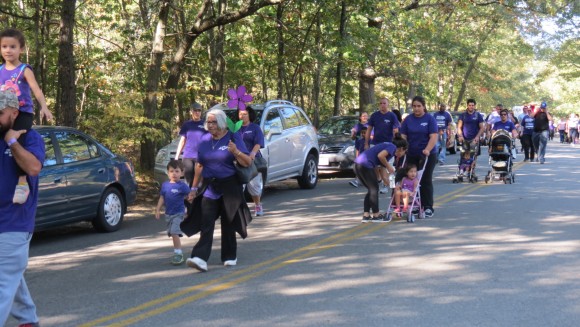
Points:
(541, 133)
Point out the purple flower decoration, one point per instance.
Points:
(239, 98)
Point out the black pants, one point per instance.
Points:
(188, 169)
(368, 178)
(211, 210)
(529, 151)
(427, 177)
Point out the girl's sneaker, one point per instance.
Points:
(21, 193)
(259, 210)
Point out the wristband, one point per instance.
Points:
(11, 142)
(194, 188)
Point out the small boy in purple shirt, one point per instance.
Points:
(172, 194)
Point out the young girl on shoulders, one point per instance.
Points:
(18, 77)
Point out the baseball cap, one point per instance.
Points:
(195, 106)
(8, 99)
(544, 105)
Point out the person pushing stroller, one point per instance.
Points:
(508, 126)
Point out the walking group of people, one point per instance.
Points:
(210, 155)
(386, 139)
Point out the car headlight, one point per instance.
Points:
(349, 150)
(161, 156)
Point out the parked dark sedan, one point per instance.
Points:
(82, 180)
(337, 152)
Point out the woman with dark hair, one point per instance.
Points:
(219, 193)
(358, 135)
(253, 138)
(365, 164)
(421, 131)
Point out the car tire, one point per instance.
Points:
(309, 177)
(111, 211)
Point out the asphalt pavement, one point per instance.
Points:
(493, 255)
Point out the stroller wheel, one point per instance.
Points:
(455, 181)
(513, 178)
(460, 179)
(486, 179)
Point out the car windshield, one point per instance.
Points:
(233, 115)
(338, 126)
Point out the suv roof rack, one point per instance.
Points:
(271, 102)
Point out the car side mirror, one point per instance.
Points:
(274, 130)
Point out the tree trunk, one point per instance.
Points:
(367, 89)
(281, 69)
(440, 87)
(200, 25)
(451, 85)
(216, 54)
(340, 63)
(66, 98)
(472, 63)
(153, 76)
(317, 72)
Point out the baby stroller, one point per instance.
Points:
(414, 209)
(473, 149)
(501, 147)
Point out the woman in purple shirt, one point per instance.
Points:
(421, 131)
(219, 193)
(191, 133)
(253, 138)
(365, 164)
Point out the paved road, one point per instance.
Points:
(493, 255)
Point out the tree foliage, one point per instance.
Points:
(447, 50)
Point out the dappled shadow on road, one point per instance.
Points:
(501, 255)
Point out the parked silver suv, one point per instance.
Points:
(291, 144)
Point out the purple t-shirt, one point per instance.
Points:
(359, 143)
(252, 135)
(443, 119)
(369, 158)
(18, 217)
(14, 81)
(408, 184)
(418, 131)
(508, 126)
(173, 194)
(383, 125)
(192, 131)
(471, 123)
(528, 125)
(216, 160)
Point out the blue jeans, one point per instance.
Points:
(540, 140)
(15, 298)
(442, 144)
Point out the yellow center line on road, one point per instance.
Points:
(309, 251)
(254, 271)
(183, 292)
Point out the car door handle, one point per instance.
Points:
(101, 170)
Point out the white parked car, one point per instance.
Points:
(291, 144)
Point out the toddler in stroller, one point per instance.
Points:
(501, 149)
(407, 189)
(467, 162)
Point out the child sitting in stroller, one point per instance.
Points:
(466, 163)
(406, 188)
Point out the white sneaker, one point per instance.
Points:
(231, 262)
(197, 263)
(383, 189)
